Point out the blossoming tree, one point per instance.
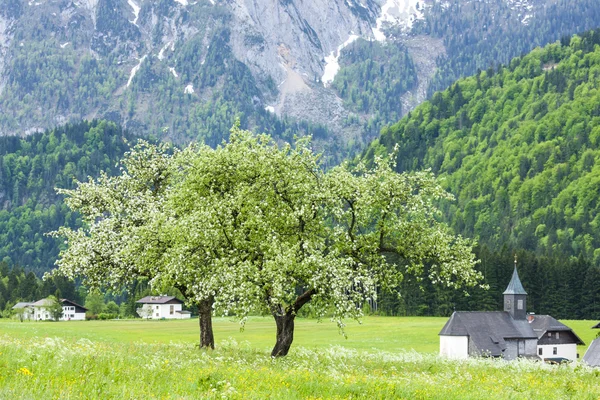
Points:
(253, 226)
(285, 234)
(123, 237)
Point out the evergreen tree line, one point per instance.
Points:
(16, 285)
(564, 287)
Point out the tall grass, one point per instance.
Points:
(70, 368)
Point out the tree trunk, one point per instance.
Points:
(207, 339)
(285, 323)
(285, 334)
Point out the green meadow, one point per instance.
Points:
(384, 357)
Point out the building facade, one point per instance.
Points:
(508, 334)
(71, 310)
(162, 307)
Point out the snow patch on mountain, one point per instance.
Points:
(135, 69)
(136, 11)
(524, 9)
(172, 69)
(189, 89)
(331, 62)
(161, 53)
(397, 12)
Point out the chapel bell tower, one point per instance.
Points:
(515, 297)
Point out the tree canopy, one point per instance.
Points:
(252, 226)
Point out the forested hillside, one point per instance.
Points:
(31, 168)
(519, 146)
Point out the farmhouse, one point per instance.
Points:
(24, 310)
(162, 307)
(71, 310)
(509, 334)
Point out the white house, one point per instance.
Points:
(71, 310)
(24, 310)
(509, 334)
(555, 339)
(162, 307)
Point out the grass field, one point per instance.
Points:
(382, 358)
(380, 333)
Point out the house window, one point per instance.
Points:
(157, 314)
(540, 351)
(519, 304)
(557, 335)
(157, 307)
(555, 350)
(549, 334)
(172, 309)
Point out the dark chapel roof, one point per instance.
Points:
(515, 286)
(488, 330)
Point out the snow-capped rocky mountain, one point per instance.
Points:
(165, 67)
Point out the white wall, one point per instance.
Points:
(27, 314)
(160, 311)
(69, 314)
(454, 346)
(563, 350)
(40, 313)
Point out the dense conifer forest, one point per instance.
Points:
(518, 147)
(30, 170)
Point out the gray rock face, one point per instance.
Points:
(294, 35)
(288, 42)
(5, 39)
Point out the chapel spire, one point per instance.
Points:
(515, 296)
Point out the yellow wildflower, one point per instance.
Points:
(24, 371)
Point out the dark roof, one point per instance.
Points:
(487, 330)
(542, 324)
(63, 301)
(159, 300)
(183, 312)
(597, 326)
(46, 302)
(592, 355)
(515, 286)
